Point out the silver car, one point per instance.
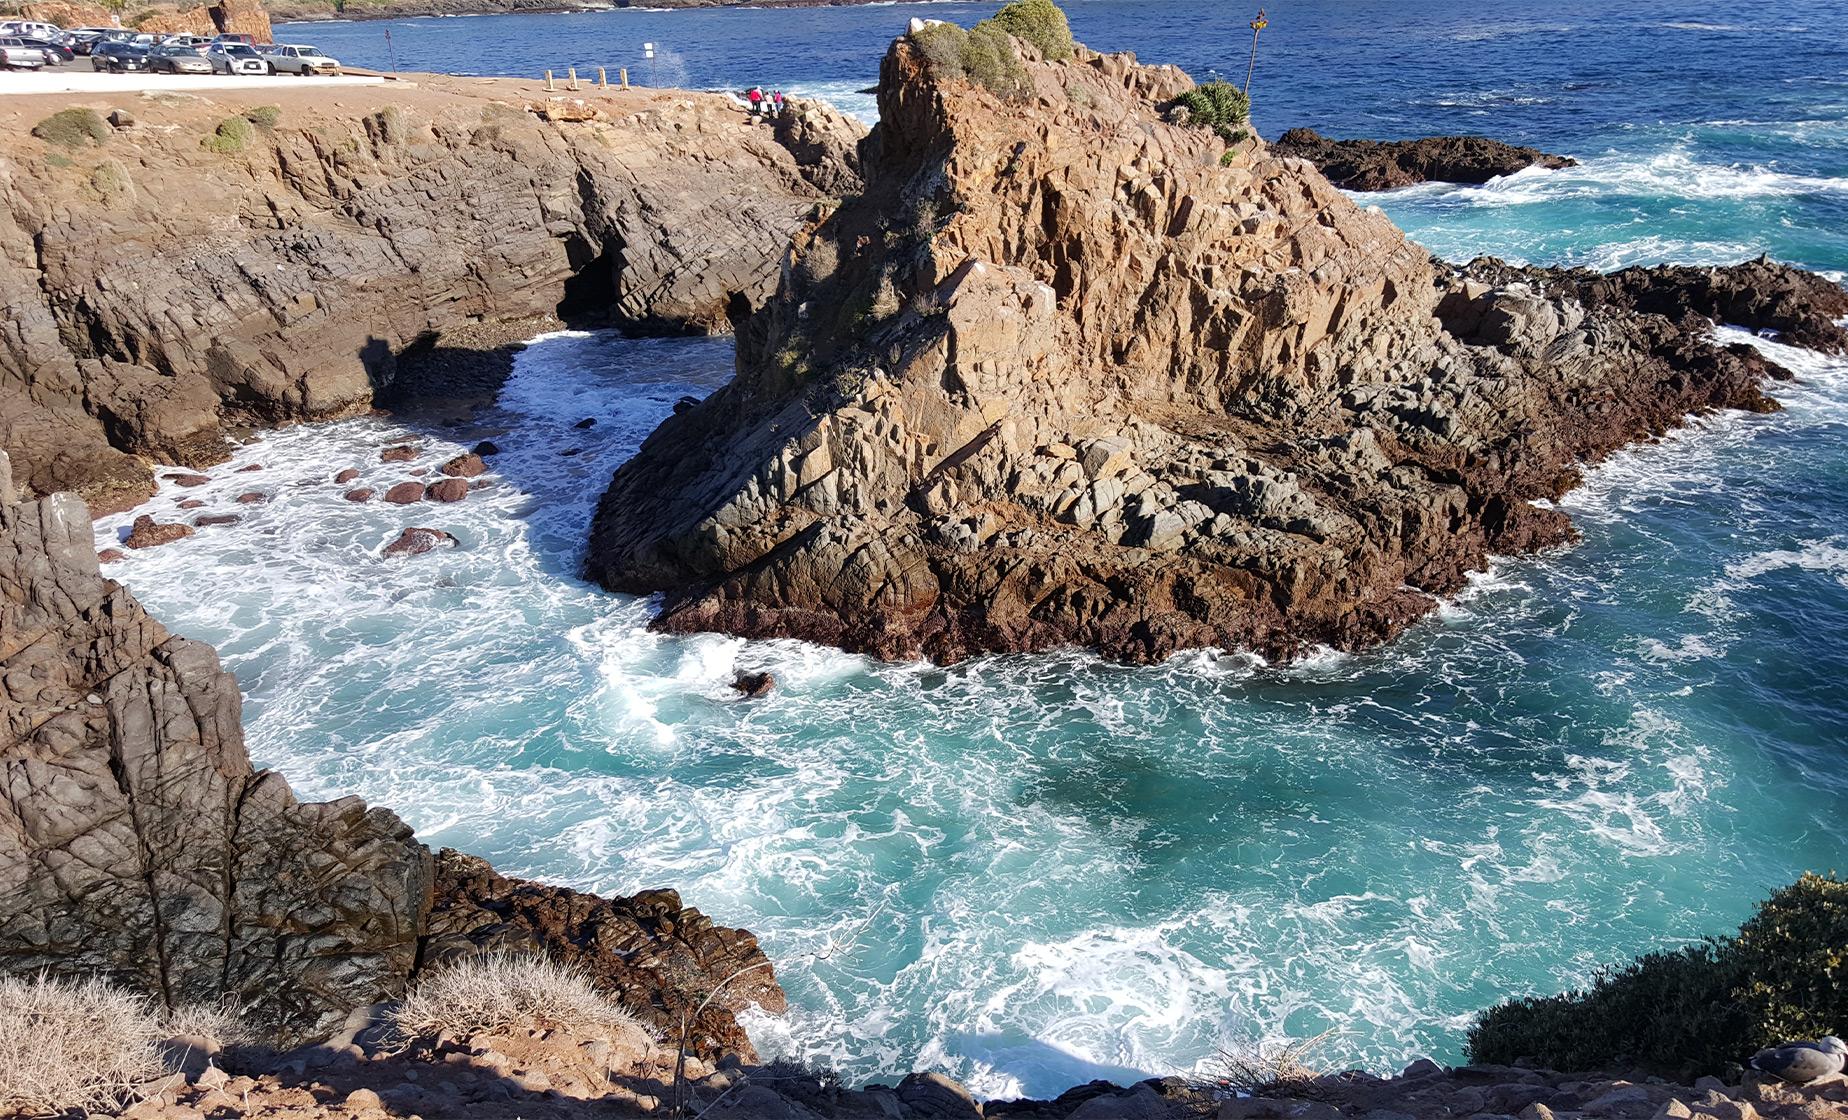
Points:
(174, 58)
(14, 54)
(236, 58)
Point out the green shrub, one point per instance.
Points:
(1041, 23)
(110, 179)
(72, 128)
(1220, 106)
(264, 116)
(1693, 1010)
(232, 135)
(984, 54)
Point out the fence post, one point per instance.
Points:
(624, 74)
(548, 82)
(571, 82)
(602, 81)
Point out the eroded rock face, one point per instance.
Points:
(286, 281)
(137, 842)
(660, 958)
(1069, 374)
(1379, 165)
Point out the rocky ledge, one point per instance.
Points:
(137, 842)
(1067, 373)
(1381, 165)
(261, 256)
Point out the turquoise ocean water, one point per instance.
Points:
(1052, 868)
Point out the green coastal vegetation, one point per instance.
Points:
(1698, 1009)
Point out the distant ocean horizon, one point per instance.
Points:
(1053, 868)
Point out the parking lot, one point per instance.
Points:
(79, 78)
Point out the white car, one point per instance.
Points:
(236, 58)
(14, 53)
(30, 29)
(297, 59)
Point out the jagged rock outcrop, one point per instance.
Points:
(1381, 165)
(1067, 373)
(145, 309)
(661, 959)
(136, 840)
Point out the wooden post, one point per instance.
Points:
(624, 74)
(602, 81)
(571, 82)
(548, 82)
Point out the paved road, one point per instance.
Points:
(77, 77)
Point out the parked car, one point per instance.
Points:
(30, 29)
(15, 55)
(233, 37)
(197, 44)
(119, 58)
(83, 40)
(56, 53)
(236, 58)
(177, 58)
(297, 59)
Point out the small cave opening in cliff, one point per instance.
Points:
(589, 298)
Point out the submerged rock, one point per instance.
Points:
(1067, 373)
(416, 541)
(149, 533)
(405, 493)
(1379, 165)
(754, 685)
(464, 466)
(448, 490)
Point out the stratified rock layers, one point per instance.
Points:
(153, 290)
(135, 839)
(1067, 373)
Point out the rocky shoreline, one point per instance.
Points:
(1069, 373)
(354, 234)
(1383, 165)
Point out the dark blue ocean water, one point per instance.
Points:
(1045, 869)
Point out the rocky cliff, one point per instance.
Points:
(1379, 165)
(1070, 373)
(208, 261)
(138, 843)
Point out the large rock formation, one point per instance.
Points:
(137, 842)
(186, 274)
(1381, 165)
(1068, 373)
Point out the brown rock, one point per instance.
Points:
(401, 453)
(192, 503)
(187, 479)
(1288, 426)
(1375, 165)
(364, 1100)
(110, 555)
(346, 476)
(360, 495)
(404, 493)
(252, 498)
(753, 685)
(464, 466)
(148, 533)
(211, 519)
(419, 472)
(448, 490)
(249, 467)
(417, 541)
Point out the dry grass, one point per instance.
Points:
(67, 1045)
(1288, 1069)
(496, 992)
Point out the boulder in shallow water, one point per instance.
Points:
(252, 498)
(187, 479)
(346, 476)
(360, 495)
(212, 519)
(448, 490)
(464, 466)
(416, 541)
(487, 447)
(1378, 165)
(110, 556)
(149, 533)
(401, 453)
(192, 503)
(754, 685)
(405, 493)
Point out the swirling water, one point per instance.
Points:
(1028, 871)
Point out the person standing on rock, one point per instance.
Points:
(776, 102)
(756, 98)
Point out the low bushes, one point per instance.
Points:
(498, 992)
(72, 128)
(264, 116)
(985, 54)
(1693, 1010)
(68, 1046)
(233, 134)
